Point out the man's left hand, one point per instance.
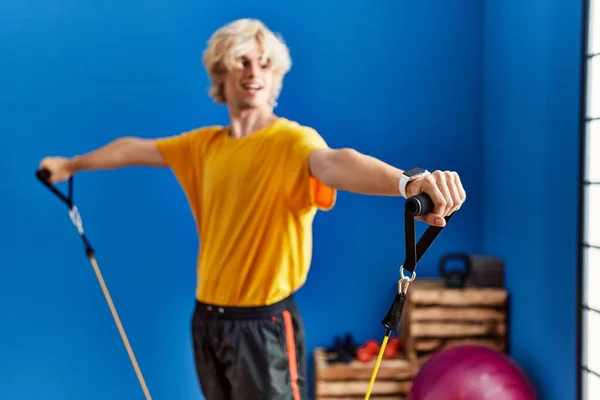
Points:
(446, 192)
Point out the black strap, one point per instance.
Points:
(414, 253)
(44, 176)
(415, 206)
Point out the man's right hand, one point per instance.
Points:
(58, 168)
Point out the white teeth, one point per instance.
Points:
(252, 86)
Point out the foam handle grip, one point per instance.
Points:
(43, 175)
(419, 205)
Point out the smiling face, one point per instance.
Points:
(246, 63)
(250, 84)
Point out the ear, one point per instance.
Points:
(220, 79)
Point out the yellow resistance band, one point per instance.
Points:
(115, 315)
(376, 369)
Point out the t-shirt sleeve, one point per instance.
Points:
(306, 190)
(178, 153)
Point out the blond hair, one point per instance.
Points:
(231, 41)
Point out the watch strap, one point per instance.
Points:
(405, 179)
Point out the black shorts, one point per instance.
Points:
(250, 353)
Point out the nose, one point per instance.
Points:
(253, 69)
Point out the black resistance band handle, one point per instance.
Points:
(419, 205)
(43, 176)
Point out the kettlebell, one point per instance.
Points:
(455, 278)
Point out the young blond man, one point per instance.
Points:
(254, 187)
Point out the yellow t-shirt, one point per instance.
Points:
(254, 202)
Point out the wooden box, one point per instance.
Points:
(350, 381)
(436, 317)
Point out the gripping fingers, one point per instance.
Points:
(431, 187)
(446, 192)
(458, 193)
(445, 182)
(461, 189)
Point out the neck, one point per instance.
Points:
(246, 122)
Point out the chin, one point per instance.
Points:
(255, 103)
(248, 105)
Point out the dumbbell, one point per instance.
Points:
(369, 351)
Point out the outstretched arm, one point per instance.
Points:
(122, 152)
(349, 170)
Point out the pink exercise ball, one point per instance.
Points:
(471, 372)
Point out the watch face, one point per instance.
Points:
(414, 171)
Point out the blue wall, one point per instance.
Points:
(532, 72)
(399, 81)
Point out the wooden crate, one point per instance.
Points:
(436, 317)
(350, 381)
